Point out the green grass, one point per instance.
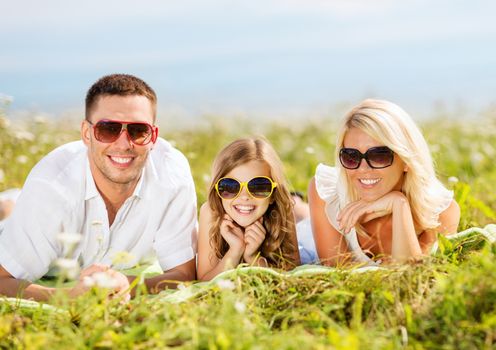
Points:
(447, 301)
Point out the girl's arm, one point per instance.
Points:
(448, 224)
(254, 236)
(209, 265)
(331, 246)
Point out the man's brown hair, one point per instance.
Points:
(121, 85)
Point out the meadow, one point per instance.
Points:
(446, 301)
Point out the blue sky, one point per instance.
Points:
(269, 58)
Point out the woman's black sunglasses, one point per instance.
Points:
(376, 157)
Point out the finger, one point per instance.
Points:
(258, 231)
(343, 213)
(238, 231)
(122, 283)
(371, 215)
(353, 217)
(228, 234)
(254, 239)
(250, 235)
(225, 229)
(371, 210)
(251, 242)
(228, 225)
(232, 228)
(93, 269)
(364, 213)
(259, 225)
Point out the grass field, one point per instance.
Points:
(448, 301)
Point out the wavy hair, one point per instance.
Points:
(278, 248)
(391, 125)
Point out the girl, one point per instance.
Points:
(382, 200)
(248, 216)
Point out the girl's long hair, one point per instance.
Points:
(390, 124)
(279, 247)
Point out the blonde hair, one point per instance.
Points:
(278, 247)
(389, 124)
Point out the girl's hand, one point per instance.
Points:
(361, 211)
(233, 234)
(254, 236)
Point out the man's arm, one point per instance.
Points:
(12, 287)
(183, 272)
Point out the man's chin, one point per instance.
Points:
(123, 179)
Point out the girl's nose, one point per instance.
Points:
(244, 193)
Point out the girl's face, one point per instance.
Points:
(245, 209)
(371, 184)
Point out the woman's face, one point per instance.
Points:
(371, 184)
(245, 209)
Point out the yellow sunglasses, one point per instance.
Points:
(260, 187)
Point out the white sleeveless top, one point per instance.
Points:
(326, 182)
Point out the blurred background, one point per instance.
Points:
(271, 59)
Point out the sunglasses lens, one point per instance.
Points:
(350, 158)
(140, 133)
(260, 187)
(107, 131)
(380, 157)
(228, 188)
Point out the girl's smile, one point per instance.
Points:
(245, 209)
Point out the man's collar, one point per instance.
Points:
(91, 190)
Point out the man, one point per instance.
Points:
(123, 188)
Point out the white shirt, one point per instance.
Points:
(157, 222)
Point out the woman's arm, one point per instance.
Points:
(404, 244)
(448, 224)
(331, 245)
(209, 265)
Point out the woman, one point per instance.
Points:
(382, 201)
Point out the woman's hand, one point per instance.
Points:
(254, 237)
(361, 211)
(405, 243)
(233, 234)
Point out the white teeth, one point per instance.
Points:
(369, 181)
(244, 209)
(121, 160)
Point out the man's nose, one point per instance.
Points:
(124, 141)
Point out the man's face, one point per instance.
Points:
(118, 163)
